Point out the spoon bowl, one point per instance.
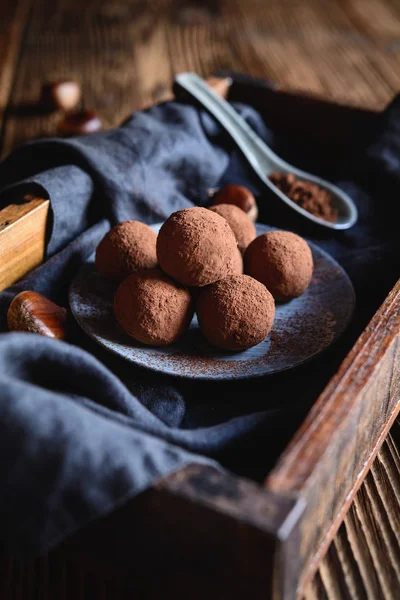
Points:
(261, 158)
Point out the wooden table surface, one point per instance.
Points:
(126, 52)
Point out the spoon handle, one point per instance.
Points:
(260, 156)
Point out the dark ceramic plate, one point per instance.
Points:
(302, 329)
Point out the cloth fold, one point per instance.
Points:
(82, 431)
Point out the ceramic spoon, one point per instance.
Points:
(263, 160)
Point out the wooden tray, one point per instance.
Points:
(209, 534)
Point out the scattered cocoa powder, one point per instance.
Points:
(235, 313)
(306, 194)
(152, 308)
(196, 247)
(282, 261)
(239, 222)
(128, 246)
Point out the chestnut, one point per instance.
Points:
(30, 311)
(82, 122)
(64, 94)
(238, 195)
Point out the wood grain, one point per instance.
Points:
(363, 560)
(126, 54)
(330, 455)
(362, 364)
(22, 238)
(13, 20)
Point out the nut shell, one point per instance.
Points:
(152, 308)
(127, 247)
(82, 122)
(282, 261)
(63, 94)
(235, 313)
(197, 247)
(239, 222)
(34, 313)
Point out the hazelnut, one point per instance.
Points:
(30, 311)
(239, 196)
(61, 95)
(81, 122)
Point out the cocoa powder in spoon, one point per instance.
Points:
(306, 194)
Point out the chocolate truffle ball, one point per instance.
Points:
(128, 246)
(239, 196)
(282, 261)
(197, 247)
(152, 308)
(239, 222)
(238, 264)
(235, 313)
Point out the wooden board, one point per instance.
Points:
(363, 559)
(22, 238)
(13, 20)
(330, 455)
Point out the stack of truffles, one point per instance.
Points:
(207, 260)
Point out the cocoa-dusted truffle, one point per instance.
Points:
(239, 196)
(239, 222)
(238, 264)
(197, 247)
(128, 246)
(282, 261)
(235, 313)
(152, 308)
